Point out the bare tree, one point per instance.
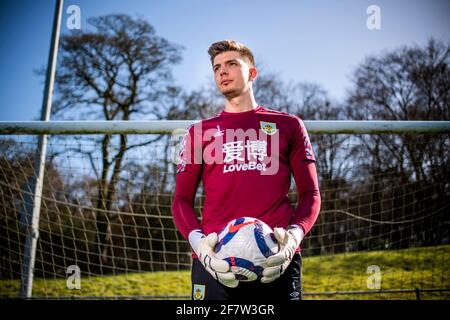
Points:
(119, 71)
(409, 83)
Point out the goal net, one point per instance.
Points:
(106, 227)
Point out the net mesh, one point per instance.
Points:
(383, 226)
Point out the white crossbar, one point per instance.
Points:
(168, 126)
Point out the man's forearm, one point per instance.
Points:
(308, 208)
(184, 215)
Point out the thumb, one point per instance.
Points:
(211, 240)
(281, 235)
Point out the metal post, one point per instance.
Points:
(31, 219)
(417, 293)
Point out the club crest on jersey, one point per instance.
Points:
(268, 127)
(199, 292)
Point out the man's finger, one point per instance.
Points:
(211, 240)
(271, 272)
(229, 283)
(276, 260)
(225, 275)
(221, 275)
(268, 279)
(281, 235)
(219, 265)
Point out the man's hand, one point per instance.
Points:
(289, 240)
(218, 268)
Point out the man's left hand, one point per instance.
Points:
(289, 240)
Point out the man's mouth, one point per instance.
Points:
(225, 82)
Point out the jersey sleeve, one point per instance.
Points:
(302, 162)
(191, 151)
(186, 183)
(301, 148)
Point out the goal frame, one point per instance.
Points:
(168, 126)
(44, 128)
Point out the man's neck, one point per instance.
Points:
(241, 104)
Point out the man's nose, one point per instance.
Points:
(223, 70)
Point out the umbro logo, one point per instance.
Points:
(219, 132)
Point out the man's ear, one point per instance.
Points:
(252, 74)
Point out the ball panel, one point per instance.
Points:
(246, 243)
(244, 269)
(263, 239)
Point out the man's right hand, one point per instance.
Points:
(218, 268)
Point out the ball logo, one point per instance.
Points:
(235, 228)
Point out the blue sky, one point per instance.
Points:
(302, 40)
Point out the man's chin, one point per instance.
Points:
(230, 94)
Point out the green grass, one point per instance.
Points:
(174, 283)
(400, 269)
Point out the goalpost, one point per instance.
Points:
(105, 210)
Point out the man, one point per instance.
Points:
(245, 156)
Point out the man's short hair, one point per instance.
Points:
(230, 45)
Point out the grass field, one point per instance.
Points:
(407, 269)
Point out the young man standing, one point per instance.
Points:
(245, 156)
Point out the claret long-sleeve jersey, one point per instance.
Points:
(245, 161)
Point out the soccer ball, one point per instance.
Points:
(246, 243)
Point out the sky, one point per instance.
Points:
(301, 40)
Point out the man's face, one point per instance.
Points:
(232, 73)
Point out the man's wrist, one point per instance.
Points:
(297, 232)
(194, 239)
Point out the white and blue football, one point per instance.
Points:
(246, 243)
